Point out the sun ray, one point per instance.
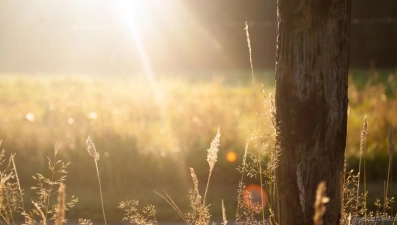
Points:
(150, 25)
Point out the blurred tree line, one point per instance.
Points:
(373, 31)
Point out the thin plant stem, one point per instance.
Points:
(388, 180)
(60, 209)
(391, 149)
(358, 184)
(206, 189)
(250, 52)
(365, 190)
(224, 214)
(345, 161)
(93, 152)
(242, 178)
(363, 139)
(17, 178)
(212, 157)
(9, 208)
(100, 191)
(169, 200)
(261, 182)
(52, 179)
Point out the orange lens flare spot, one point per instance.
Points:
(254, 197)
(231, 156)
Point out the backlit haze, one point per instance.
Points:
(117, 36)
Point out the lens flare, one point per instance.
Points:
(231, 156)
(254, 197)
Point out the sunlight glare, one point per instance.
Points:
(135, 16)
(255, 197)
(152, 26)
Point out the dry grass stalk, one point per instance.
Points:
(319, 205)
(47, 188)
(224, 213)
(133, 216)
(17, 178)
(61, 206)
(250, 51)
(93, 152)
(241, 184)
(261, 162)
(391, 140)
(349, 219)
(40, 213)
(391, 150)
(345, 161)
(261, 183)
(195, 180)
(85, 222)
(169, 200)
(363, 139)
(272, 220)
(91, 149)
(212, 157)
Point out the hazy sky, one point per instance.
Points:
(84, 36)
(123, 36)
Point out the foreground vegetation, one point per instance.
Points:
(149, 134)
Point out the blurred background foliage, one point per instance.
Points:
(150, 133)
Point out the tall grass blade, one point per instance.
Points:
(17, 178)
(363, 138)
(250, 51)
(93, 152)
(169, 200)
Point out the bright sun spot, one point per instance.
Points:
(153, 27)
(231, 156)
(139, 18)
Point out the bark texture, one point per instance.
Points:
(311, 101)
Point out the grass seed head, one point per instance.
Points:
(363, 136)
(91, 149)
(212, 155)
(195, 180)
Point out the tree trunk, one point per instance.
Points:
(311, 101)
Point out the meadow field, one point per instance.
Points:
(148, 132)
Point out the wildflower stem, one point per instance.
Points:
(206, 189)
(53, 163)
(391, 149)
(17, 178)
(240, 186)
(261, 182)
(250, 51)
(100, 191)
